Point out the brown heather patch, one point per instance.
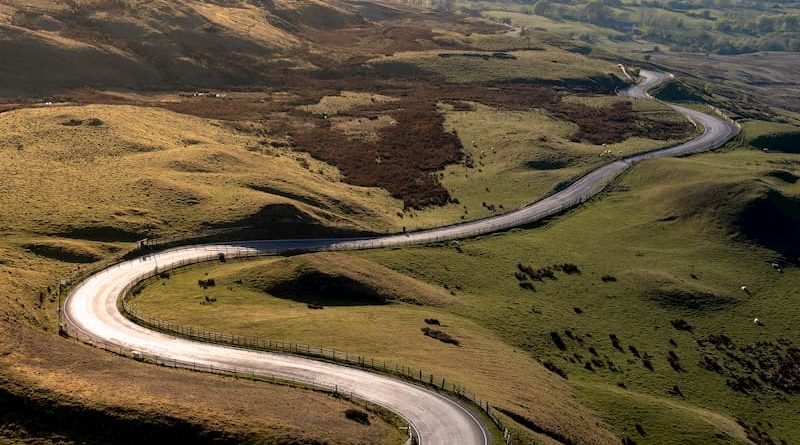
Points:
(401, 160)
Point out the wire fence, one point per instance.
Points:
(237, 373)
(405, 372)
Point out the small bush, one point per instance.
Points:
(552, 367)
(675, 391)
(315, 306)
(432, 321)
(647, 363)
(569, 268)
(205, 284)
(164, 275)
(615, 342)
(527, 285)
(357, 416)
(633, 350)
(674, 361)
(439, 335)
(577, 310)
(608, 278)
(558, 341)
(682, 325)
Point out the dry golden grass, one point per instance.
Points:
(345, 101)
(247, 21)
(63, 374)
(147, 170)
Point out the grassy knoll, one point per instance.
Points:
(660, 261)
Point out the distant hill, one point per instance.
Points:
(49, 46)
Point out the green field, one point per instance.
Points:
(674, 236)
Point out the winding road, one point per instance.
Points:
(90, 311)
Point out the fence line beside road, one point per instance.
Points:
(427, 379)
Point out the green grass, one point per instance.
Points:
(391, 332)
(666, 233)
(630, 235)
(521, 156)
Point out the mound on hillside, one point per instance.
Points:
(750, 211)
(334, 279)
(673, 293)
(66, 251)
(677, 91)
(788, 142)
(773, 220)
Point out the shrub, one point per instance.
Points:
(682, 325)
(357, 416)
(432, 321)
(615, 342)
(315, 306)
(569, 268)
(633, 350)
(558, 341)
(577, 310)
(675, 391)
(608, 278)
(552, 367)
(527, 285)
(205, 284)
(439, 335)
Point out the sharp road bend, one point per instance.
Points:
(90, 311)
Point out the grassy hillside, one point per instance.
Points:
(647, 321)
(125, 119)
(352, 315)
(147, 45)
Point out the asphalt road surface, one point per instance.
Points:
(90, 311)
